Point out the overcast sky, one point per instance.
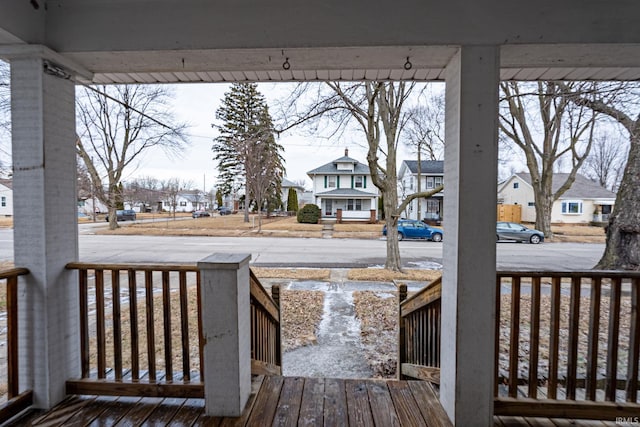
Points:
(197, 104)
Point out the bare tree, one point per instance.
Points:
(117, 124)
(262, 169)
(425, 133)
(376, 109)
(605, 164)
(548, 128)
(619, 101)
(146, 191)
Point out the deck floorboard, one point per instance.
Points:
(281, 401)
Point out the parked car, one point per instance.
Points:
(123, 215)
(518, 232)
(412, 229)
(199, 214)
(223, 210)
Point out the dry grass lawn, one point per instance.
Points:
(382, 275)
(6, 222)
(291, 273)
(578, 234)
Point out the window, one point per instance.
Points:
(183, 203)
(359, 181)
(531, 204)
(3, 202)
(516, 184)
(331, 181)
(411, 183)
(430, 182)
(572, 207)
(438, 181)
(354, 204)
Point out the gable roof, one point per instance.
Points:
(582, 187)
(7, 183)
(331, 168)
(426, 166)
(290, 184)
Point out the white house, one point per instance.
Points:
(431, 176)
(188, 202)
(584, 202)
(343, 190)
(6, 197)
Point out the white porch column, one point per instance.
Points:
(224, 281)
(469, 276)
(45, 227)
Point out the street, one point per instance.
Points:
(305, 252)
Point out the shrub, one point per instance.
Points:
(309, 214)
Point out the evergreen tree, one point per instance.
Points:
(292, 200)
(246, 135)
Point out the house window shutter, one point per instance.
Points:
(351, 181)
(325, 181)
(365, 182)
(338, 183)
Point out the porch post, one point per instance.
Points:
(224, 281)
(469, 275)
(45, 227)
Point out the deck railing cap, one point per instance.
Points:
(224, 261)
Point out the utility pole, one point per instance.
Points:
(93, 196)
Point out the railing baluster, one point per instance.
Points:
(634, 344)
(614, 332)
(554, 338)
(117, 323)
(184, 326)
(100, 324)
(200, 332)
(13, 379)
(133, 321)
(166, 311)
(594, 330)
(84, 323)
(534, 337)
(514, 344)
(151, 342)
(572, 356)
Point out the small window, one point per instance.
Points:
(349, 204)
(438, 181)
(358, 181)
(358, 204)
(572, 207)
(430, 182)
(183, 203)
(411, 183)
(331, 181)
(531, 204)
(516, 184)
(3, 202)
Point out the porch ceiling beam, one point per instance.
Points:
(21, 51)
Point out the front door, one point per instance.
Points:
(328, 207)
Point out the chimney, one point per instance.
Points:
(346, 152)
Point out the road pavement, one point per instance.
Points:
(308, 252)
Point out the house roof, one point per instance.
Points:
(426, 166)
(7, 183)
(582, 187)
(331, 168)
(346, 192)
(290, 184)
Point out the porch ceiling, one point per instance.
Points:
(428, 63)
(152, 41)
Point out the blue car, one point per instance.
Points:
(412, 229)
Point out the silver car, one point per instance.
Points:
(518, 232)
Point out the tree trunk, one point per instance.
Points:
(393, 261)
(543, 216)
(623, 231)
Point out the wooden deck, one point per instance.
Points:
(276, 400)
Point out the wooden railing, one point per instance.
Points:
(266, 347)
(16, 400)
(419, 350)
(141, 332)
(568, 343)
